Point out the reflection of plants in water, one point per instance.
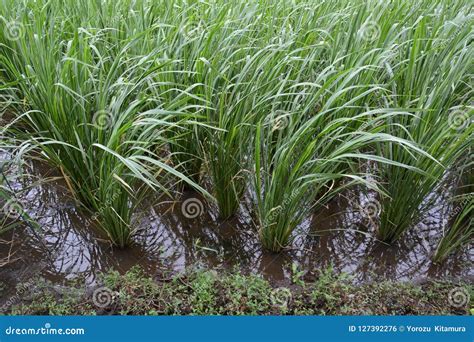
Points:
(198, 245)
(461, 231)
(11, 208)
(201, 239)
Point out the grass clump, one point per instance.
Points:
(88, 110)
(429, 72)
(282, 102)
(461, 231)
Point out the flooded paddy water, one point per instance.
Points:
(171, 237)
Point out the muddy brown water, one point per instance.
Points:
(168, 240)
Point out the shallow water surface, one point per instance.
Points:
(169, 239)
